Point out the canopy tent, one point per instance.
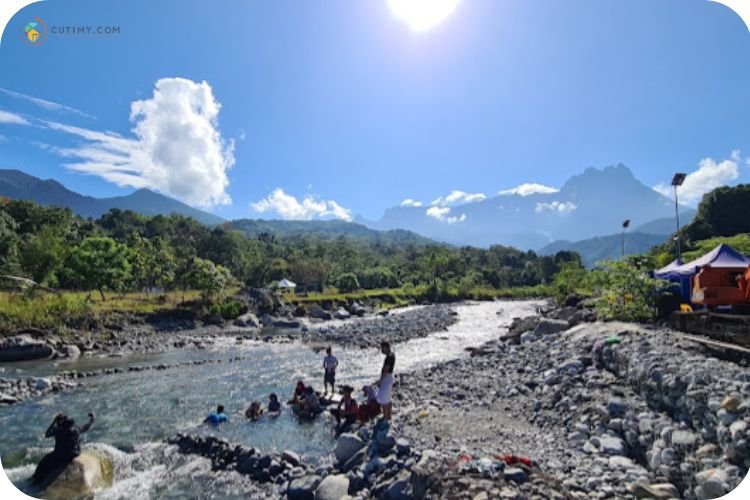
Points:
(286, 284)
(722, 256)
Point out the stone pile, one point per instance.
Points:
(15, 390)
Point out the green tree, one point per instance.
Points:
(100, 263)
(347, 282)
(8, 241)
(42, 254)
(624, 290)
(211, 279)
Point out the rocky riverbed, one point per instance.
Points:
(605, 409)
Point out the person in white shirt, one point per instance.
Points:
(329, 365)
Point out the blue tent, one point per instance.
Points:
(722, 256)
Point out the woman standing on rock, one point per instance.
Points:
(385, 385)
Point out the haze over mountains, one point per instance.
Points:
(592, 204)
(584, 215)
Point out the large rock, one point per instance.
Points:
(550, 326)
(611, 445)
(303, 488)
(347, 445)
(86, 472)
(342, 314)
(247, 320)
(22, 348)
(319, 313)
(68, 351)
(333, 487)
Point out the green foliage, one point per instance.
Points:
(228, 309)
(347, 282)
(740, 242)
(211, 279)
(57, 311)
(572, 279)
(722, 212)
(100, 263)
(623, 290)
(8, 241)
(42, 254)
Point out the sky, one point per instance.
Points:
(334, 108)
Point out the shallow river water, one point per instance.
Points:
(136, 411)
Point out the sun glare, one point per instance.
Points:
(422, 15)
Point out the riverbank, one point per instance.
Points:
(605, 409)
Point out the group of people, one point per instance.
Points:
(307, 404)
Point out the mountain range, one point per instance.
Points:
(22, 186)
(584, 215)
(589, 205)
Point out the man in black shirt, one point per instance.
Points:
(385, 385)
(67, 445)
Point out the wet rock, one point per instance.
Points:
(342, 313)
(303, 488)
(247, 320)
(318, 312)
(68, 352)
(290, 457)
(333, 487)
(23, 348)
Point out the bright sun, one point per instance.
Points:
(421, 15)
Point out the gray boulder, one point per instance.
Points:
(248, 320)
(550, 326)
(68, 351)
(333, 487)
(303, 488)
(266, 319)
(22, 348)
(342, 313)
(347, 445)
(319, 313)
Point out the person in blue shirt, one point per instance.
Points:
(216, 417)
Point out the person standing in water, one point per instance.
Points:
(385, 385)
(216, 417)
(67, 445)
(330, 363)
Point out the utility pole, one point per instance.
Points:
(624, 228)
(677, 181)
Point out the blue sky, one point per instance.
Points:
(343, 104)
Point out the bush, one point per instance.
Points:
(229, 309)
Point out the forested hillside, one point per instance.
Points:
(125, 251)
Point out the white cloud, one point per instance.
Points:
(529, 188)
(43, 103)
(408, 202)
(177, 150)
(289, 207)
(708, 176)
(441, 214)
(8, 117)
(457, 197)
(562, 207)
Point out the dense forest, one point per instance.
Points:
(125, 251)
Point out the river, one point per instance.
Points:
(136, 411)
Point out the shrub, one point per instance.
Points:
(229, 309)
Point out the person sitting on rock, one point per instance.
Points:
(254, 411)
(67, 445)
(347, 409)
(299, 393)
(273, 403)
(310, 406)
(216, 417)
(370, 408)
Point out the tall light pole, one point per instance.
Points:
(677, 181)
(624, 228)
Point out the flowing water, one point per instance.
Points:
(136, 411)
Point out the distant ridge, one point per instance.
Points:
(593, 250)
(22, 186)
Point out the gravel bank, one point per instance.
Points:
(644, 415)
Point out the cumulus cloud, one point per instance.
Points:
(177, 148)
(43, 103)
(562, 207)
(457, 197)
(12, 118)
(529, 188)
(709, 175)
(408, 202)
(289, 207)
(442, 214)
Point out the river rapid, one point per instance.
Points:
(136, 411)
